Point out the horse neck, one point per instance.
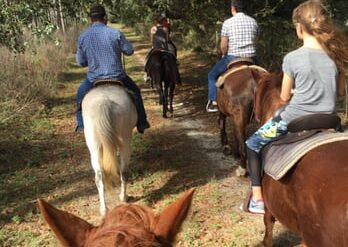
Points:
(271, 104)
(268, 97)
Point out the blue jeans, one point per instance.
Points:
(219, 68)
(129, 83)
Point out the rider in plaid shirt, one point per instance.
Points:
(99, 48)
(238, 36)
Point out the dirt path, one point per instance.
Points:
(187, 151)
(173, 155)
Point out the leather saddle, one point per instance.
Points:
(305, 127)
(108, 82)
(235, 63)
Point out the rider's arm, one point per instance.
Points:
(125, 45)
(166, 30)
(224, 45)
(81, 58)
(152, 33)
(287, 85)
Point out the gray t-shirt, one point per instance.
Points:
(315, 82)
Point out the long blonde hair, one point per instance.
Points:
(316, 21)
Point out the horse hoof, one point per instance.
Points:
(241, 172)
(227, 150)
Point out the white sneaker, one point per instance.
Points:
(256, 207)
(211, 107)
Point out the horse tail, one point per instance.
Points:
(171, 68)
(105, 131)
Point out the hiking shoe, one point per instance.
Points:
(211, 107)
(141, 128)
(256, 207)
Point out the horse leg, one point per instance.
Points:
(125, 153)
(160, 92)
(269, 221)
(165, 100)
(171, 96)
(223, 136)
(94, 153)
(240, 121)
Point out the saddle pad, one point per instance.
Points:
(279, 159)
(222, 78)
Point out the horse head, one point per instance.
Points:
(125, 226)
(267, 96)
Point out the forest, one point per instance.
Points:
(24, 25)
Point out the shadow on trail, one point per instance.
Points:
(185, 149)
(285, 239)
(184, 157)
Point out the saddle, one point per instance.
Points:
(235, 63)
(238, 66)
(304, 134)
(101, 82)
(107, 82)
(156, 51)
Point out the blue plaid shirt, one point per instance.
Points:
(99, 47)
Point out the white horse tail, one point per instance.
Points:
(105, 131)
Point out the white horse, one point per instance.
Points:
(109, 116)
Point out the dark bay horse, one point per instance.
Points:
(235, 97)
(126, 225)
(161, 66)
(312, 199)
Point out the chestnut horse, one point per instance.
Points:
(312, 199)
(235, 95)
(162, 68)
(126, 225)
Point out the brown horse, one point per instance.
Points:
(126, 225)
(235, 95)
(312, 199)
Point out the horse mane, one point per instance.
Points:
(267, 96)
(127, 225)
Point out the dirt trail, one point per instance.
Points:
(189, 144)
(173, 155)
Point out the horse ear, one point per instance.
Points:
(172, 217)
(70, 230)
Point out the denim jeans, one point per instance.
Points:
(219, 68)
(129, 83)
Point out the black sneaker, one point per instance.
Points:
(141, 128)
(211, 107)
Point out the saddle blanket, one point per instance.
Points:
(279, 159)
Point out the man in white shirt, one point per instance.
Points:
(238, 38)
